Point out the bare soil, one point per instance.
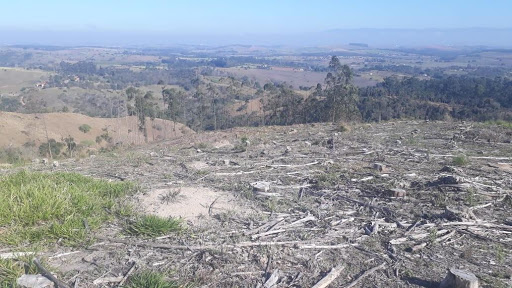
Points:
(191, 203)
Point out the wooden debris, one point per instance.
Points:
(49, 275)
(127, 274)
(416, 248)
(272, 280)
(366, 274)
(459, 279)
(13, 255)
(327, 280)
(106, 280)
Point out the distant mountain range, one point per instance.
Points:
(489, 37)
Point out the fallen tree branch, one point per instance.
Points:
(385, 211)
(366, 274)
(486, 225)
(49, 275)
(11, 255)
(481, 237)
(127, 274)
(211, 206)
(234, 173)
(335, 272)
(107, 280)
(288, 166)
(256, 236)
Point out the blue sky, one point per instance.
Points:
(251, 17)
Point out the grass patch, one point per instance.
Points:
(501, 123)
(12, 269)
(153, 226)
(149, 279)
(460, 160)
(342, 127)
(41, 207)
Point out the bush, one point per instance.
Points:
(53, 145)
(12, 156)
(84, 128)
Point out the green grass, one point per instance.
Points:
(460, 160)
(505, 124)
(149, 279)
(153, 226)
(40, 208)
(12, 269)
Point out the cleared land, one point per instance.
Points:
(410, 199)
(14, 79)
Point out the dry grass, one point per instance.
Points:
(22, 128)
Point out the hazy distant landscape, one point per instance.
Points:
(388, 38)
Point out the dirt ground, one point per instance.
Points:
(411, 199)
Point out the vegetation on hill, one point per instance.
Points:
(199, 88)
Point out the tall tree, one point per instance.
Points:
(173, 99)
(341, 94)
(212, 90)
(143, 108)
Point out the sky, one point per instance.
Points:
(238, 17)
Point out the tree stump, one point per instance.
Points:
(459, 279)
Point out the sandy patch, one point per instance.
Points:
(223, 144)
(192, 204)
(198, 165)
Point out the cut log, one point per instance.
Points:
(335, 272)
(272, 280)
(459, 279)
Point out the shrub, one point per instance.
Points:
(84, 128)
(12, 156)
(55, 147)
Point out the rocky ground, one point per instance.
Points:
(383, 205)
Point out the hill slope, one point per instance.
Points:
(18, 129)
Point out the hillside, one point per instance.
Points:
(395, 204)
(18, 129)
